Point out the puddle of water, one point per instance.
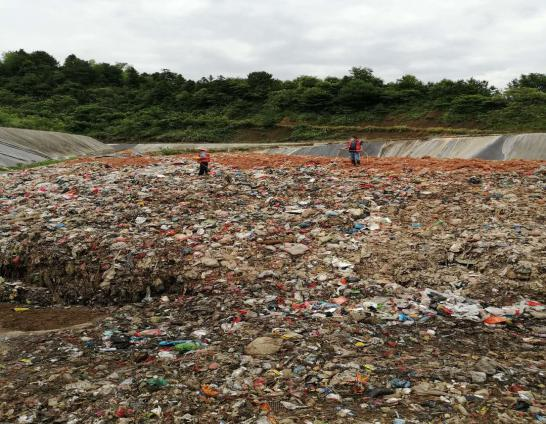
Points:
(43, 319)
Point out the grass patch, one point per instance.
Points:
(300, 132)
(22, 166)
(167, 151)
(324, 132)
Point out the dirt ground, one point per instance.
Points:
(257, 160)
(15, 317)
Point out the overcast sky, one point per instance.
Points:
(495, 40)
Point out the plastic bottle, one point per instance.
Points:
(157, 382)
(188, 346)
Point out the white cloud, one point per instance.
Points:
(487, 39)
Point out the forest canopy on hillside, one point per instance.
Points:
(116, 102)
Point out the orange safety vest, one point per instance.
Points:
(354, 145)
(204, 157)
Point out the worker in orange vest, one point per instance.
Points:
(354, 146)
(204, 159)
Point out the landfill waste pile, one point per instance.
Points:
(275, 290)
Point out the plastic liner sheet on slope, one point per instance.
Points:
(456, 147)
(503, 147)
(12, 156)
(337, 150)
(28, 146)
(525, 146)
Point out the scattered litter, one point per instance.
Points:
(411, 291)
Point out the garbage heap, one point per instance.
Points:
(92, 234)
(311, 292)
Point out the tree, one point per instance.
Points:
(358, 94)
(365, 74)
(526, 95)
(260, 79)
(306, 81)
(283, 100)
(447, 89)
(16, 63)
(315, 99)
(43, 62)
(260, 84)
(469, 105)
(106, 74)
(409, 82)
(115, 101)
(537, 81)
(131, 77)
(78, 71)
(405, 90)
(30, 73)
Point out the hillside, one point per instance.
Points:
(116, 102)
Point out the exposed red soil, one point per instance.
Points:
(257, 160)
(252, 160)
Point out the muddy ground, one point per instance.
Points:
(15, 317)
